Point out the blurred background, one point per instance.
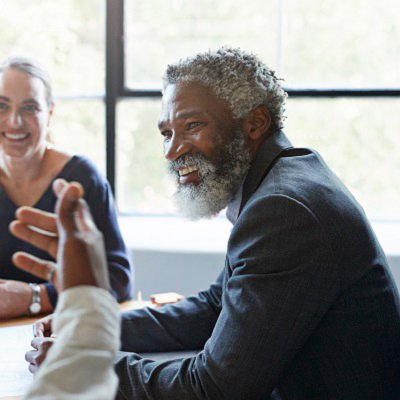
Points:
(340, 62)
(311, 44)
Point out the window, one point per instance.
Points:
(68, 38)
(353, 44)
(359, 139)
(340, 61)
(159, 32)
(163, 31)
(142, 184)
(341, 64)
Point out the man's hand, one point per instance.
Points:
(76, 228)
(41, 346)
(42, 331)
(43, 327)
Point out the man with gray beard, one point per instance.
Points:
(305, 307)
(219, 182)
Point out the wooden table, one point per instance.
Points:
(126, 305)
(20, 321)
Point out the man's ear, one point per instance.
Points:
(257, 123)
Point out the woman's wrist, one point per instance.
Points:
(45, 300)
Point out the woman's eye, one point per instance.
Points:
(3, 106)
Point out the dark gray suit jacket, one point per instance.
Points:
(305, 307)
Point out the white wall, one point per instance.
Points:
(175, 255)
(187, 273)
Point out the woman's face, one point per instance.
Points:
(24, 114)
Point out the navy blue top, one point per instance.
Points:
(100, 200)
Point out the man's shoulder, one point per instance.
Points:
(302, 175)
(301, 180)
(298, 168)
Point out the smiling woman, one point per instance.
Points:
(28, 166)
(25, 113)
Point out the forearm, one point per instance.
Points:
(167, 329)
(16, 298)
(185, 325)
(86, 323)
(121, 277)
(189, 379)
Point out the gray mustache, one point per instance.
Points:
(198, 160)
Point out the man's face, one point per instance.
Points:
(204, 147)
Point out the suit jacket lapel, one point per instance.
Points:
(262, 163)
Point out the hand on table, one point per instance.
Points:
(42, 342)
(35, 357)
(43, 327)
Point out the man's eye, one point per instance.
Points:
(192, 125)
(3, 106)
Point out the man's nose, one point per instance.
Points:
(175, 147)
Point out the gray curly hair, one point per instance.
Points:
(32, 68)
(238, 77)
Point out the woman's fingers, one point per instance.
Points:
(36, 266)
(39, 219)
(78, 247)
(39, 239)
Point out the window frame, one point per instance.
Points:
(116, 88)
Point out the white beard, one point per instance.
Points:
(219, 181)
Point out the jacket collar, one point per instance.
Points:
(263, 161)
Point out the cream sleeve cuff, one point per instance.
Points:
(80, 363)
